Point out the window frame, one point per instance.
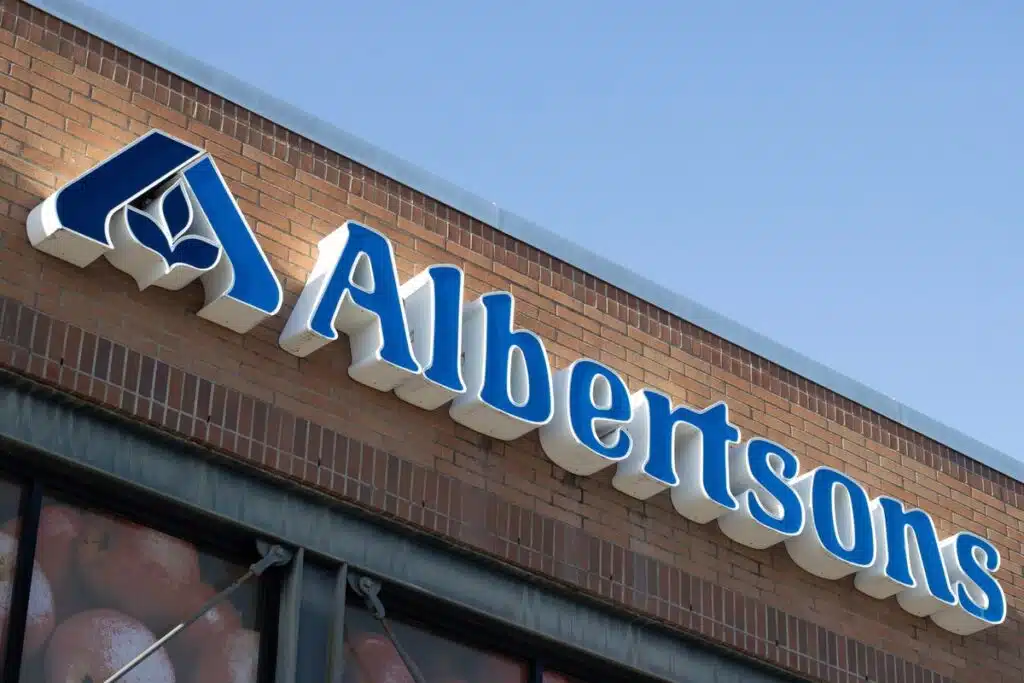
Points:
(36, 482)
(50, 436)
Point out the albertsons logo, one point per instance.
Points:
(159, 210)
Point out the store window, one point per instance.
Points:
(90, 581)
(105, 588)
(370, 656)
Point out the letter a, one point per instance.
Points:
(353, 288)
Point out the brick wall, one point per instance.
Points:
(69, 100)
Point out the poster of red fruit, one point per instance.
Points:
(60, 527)
(107, 587)
(211, 632)
(136, 569)
(232, 659)
(95, 644)
(371, 657)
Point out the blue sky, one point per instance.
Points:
(845, 178)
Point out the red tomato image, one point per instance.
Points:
(210, 631)
(93, 645)
(231, 659)
(137, 570)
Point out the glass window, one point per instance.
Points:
(371, 658)
(42, 619)
(114, 586)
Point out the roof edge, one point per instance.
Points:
(259, 102)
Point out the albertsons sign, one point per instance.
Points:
(159, 210)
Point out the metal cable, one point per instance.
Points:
(273, 556)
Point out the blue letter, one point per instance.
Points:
(354, 288)
(838, 537)
(982, 603)
(591, 405)
(682, 449)
(241, 290)
(913, 571)
(433, 305)
(508, 380)
(791, 518)
(584, 413)
(769, 509)
(990, 605)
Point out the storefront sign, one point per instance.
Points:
(159, 210)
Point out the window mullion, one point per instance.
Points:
(28, 525)
(288, 621)
(336, 658)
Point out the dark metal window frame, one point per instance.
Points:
(36, 479)
(54, 434)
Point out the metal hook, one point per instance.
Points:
(369, 590)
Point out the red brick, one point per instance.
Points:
(42, 54)
(118, 104)
(26, 107)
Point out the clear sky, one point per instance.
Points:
(845, 178)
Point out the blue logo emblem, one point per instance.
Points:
(160, 211)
